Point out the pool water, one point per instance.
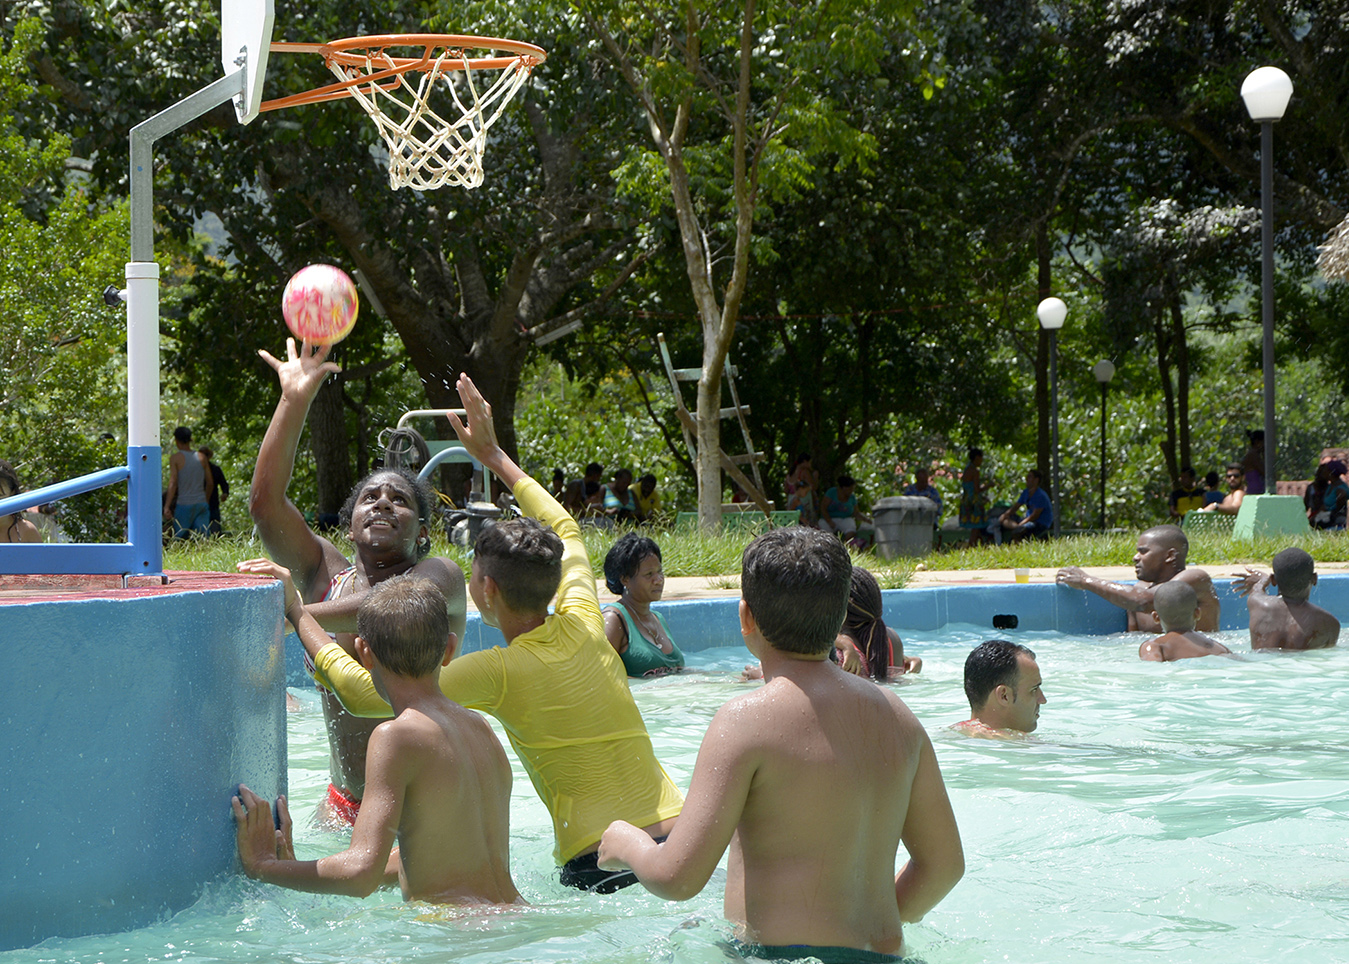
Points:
(1162, 812)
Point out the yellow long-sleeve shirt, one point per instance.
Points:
(562, 695)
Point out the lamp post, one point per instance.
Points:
(1104, 370)
(1052, 312)
(1266, 91)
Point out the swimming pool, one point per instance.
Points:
(1176, 812)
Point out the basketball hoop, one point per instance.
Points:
(426, 150)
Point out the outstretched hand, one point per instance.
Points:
(303, 371)
(1071, 576)
(1250, 581)
(479, 434)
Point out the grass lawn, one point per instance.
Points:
(689, 553)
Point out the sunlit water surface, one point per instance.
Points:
(1161, 813)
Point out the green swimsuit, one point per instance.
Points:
(642, 657)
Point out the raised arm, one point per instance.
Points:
(288, 539)
(936, 858)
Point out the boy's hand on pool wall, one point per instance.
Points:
(265, 567)
(256, 834)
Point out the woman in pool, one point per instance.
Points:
(632, 570)
(865, 645)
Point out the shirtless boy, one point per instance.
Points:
(1176, 607)
(437, 779)
(1288, 620)
(1159, 558)
(1003, 685)
(813, 740)
(557, 687)
(390, 519)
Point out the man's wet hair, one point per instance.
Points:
(406, 623)
(422, 492)
(1234, 466)
(1175, 603)
(1172, 537)
(524, 558)
(991, 664)
(625, 557)
(795, 581)
(1293, 571)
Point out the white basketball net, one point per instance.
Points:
(427, 151)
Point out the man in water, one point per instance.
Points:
(1158, 558)
(1003, 685)
(390, 516)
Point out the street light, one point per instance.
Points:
(1052, 312)
(1104, 370)
(1266, 91)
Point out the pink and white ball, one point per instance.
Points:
(320, 304)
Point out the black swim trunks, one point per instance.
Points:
(584, 873)
(801, 952)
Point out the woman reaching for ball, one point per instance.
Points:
(389, 515)
(632, 570)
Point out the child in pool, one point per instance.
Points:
(437, 778)
(1288, 620)
(557, 687)
(813, 781)
(1176, 606)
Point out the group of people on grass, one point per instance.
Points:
(427, 785)
(596, 502)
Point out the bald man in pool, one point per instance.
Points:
(1177, 609)
(1159, 558)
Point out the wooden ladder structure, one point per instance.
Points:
(731, 463)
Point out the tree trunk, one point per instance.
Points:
(1162, 336)
(329, 443)
(1180, 349)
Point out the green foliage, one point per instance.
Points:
(566, 424)
(62, 368)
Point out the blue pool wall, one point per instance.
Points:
(699, 624)
(128, 722)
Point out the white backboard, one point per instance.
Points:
(246, 32)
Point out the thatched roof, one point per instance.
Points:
(1334, 257)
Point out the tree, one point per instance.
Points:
(62, 368)
(739, 108)
(467, 280)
